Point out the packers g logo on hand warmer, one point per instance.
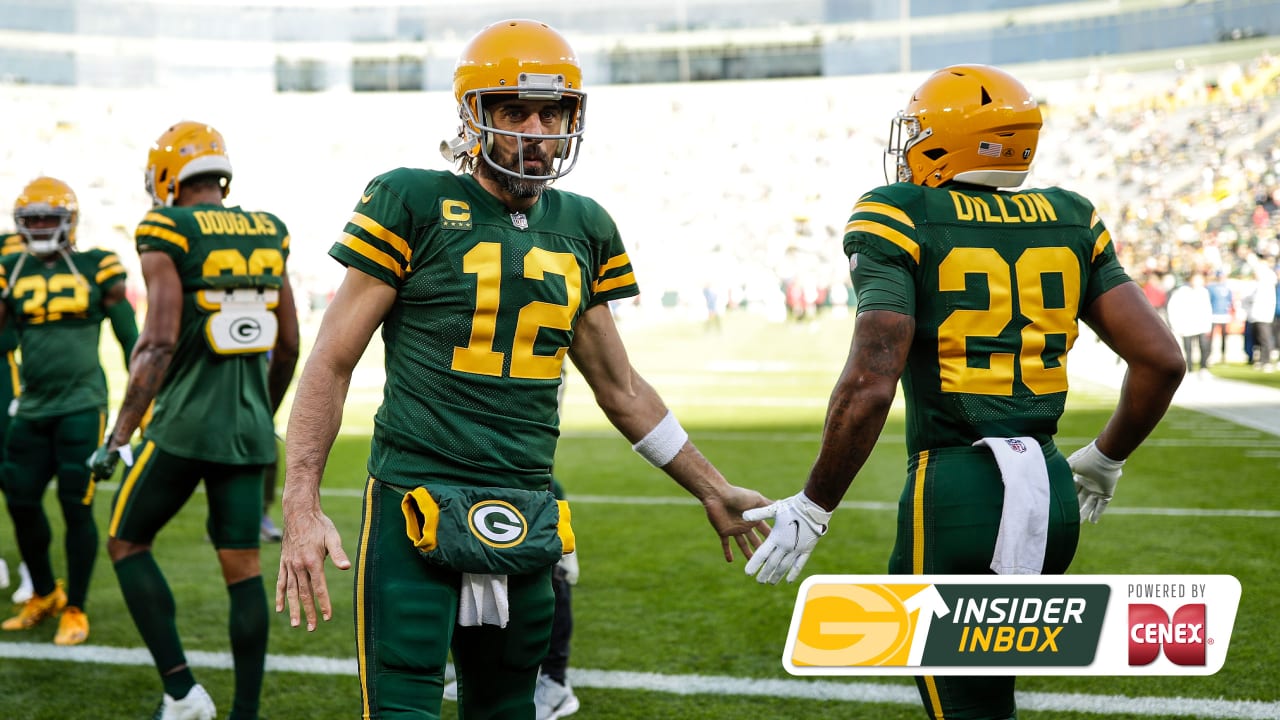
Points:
(497, 524)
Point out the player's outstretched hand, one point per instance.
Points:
(798, 523)
(725, 511)
(308, 538)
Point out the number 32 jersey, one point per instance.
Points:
(57, 309)
(997, 282)
(486, 305)
(214, 404)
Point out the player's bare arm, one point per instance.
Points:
(636, 409)
(860, 402)
(284, 356)
(124, 324)
(154, 349)
(1127, 323)
(309, 535)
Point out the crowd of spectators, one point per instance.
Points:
(737, 190)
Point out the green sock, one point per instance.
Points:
(82, 550)
(31, 528)
(248, 625)
(150, 602)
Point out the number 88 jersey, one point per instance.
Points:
(231, 264)
(997, 282)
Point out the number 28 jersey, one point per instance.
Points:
(485, 312)
(997, 282)
(214, 404)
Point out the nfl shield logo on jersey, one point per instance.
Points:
(1016, 445)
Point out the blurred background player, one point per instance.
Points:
(976, 316)
(57, 297)
(10, 388)
(483, 282)
(218, 300)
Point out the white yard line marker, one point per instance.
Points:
(827, 690)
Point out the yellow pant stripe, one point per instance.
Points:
(87, 498)
(129, 481)
(935, 702)
(917, 516)
(13, 376)
(360, 594)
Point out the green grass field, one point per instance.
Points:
(663, 627)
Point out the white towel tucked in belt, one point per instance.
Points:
(483, 600)
(1024, 520)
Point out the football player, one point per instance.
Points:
(56, 297)
(10, 388)
(482, 282)
(971, 295)
(219, 300)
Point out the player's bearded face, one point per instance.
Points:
(536, 162)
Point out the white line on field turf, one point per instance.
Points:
(829, 690)
(848, 504)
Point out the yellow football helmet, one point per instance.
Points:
(530, 60)
(968, 123)
(47, 197)
(185, 150)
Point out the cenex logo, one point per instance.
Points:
(1183, 637)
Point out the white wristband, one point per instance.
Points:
(663, 442)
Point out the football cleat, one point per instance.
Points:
(551, 700)
(38, 609)
(197, 705)
(73, 627)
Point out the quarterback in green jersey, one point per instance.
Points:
(217, 353)
(483, 282)
(971, 296)
(56, 296)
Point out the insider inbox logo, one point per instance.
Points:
(1028, 625)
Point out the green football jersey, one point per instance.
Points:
(57, 311)
(214, 404)
(9, 245)
(997, 282)
(486, 307)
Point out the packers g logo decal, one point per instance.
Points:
(857, 625)
(497, 524)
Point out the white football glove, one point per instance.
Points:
(1096, 477)
(797, 525)
(569, 564)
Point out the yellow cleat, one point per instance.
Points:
(73, 628)
(37, 610)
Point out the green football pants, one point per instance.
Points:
(406, 612)
(39, 449)
(160, 483)
(948, 518)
